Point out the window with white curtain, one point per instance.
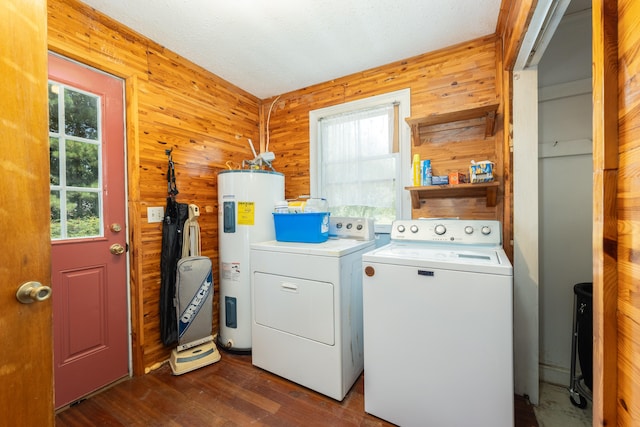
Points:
(360, 155)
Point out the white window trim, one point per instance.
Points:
(403, 98)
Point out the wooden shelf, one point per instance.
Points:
(485, 189)
(488, 112)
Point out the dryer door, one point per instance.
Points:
(296, 306)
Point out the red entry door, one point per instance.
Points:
(88, 235)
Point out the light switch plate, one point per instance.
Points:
(155, 214)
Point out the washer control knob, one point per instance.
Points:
(349, 226)
(440, 229)
(414, 229)
(468, 229)
(339, 225)
(359, 227)
(401, 228)
(486, 230)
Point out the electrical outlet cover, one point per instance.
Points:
(155, 214)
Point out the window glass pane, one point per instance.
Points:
(358, 169)
(81, 114)
(358, 134)
(82, 164)
(376, 190)
(75, 169)
(359, 157)
(53, 107)
(55, 215)
(83, 218)
(54, 161)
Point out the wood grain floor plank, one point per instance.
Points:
(231, 392)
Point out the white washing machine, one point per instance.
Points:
(307, 307)
(438, 325)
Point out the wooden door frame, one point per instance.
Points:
(132, 153)
(136, 289)
(605, 218)
(132, 144)
(525, 222)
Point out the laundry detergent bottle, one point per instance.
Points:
(417, 170)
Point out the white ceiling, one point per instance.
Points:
(269, 47)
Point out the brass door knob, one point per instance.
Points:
(116, 249)
(33, 292)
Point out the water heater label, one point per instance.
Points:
(246, 213)
(231, 271)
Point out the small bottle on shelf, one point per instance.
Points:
(417, 172)
(426, 173)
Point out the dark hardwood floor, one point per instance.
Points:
(231, 392)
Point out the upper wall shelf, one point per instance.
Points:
(489, 190)
(488, 112)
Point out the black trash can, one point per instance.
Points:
(584, 324)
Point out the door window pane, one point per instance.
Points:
(75, 147)
(83, 214)
(54, 161)
(53, 107)
(80, 114)
(82, 164)
(56, 231)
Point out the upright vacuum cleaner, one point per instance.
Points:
(193, 302)
(186, 288)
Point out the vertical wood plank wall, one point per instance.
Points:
(605, 227)
(628, 214)
(171, 104)
(461, 76)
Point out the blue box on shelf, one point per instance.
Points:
(440, 180)
(303, 227)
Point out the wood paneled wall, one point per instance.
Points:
(627, 155)
(171, 104)
(465, 75)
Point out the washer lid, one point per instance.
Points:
(463, 258)
(332, 247)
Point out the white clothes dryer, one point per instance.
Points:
(307, 307)
(438, 308)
